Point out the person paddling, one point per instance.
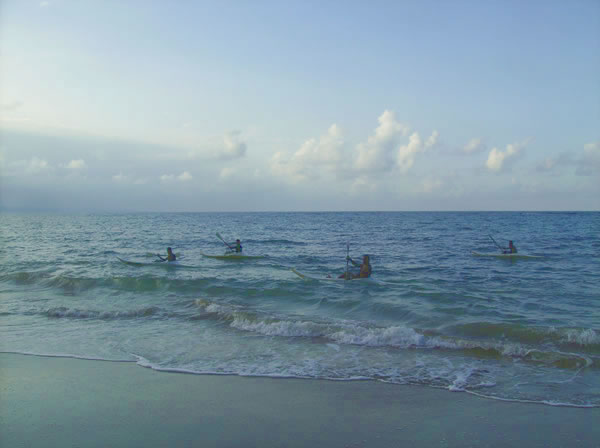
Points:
(511, 249)
(365, 268)
(170, 255)
(235, 247)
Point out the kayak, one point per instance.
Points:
(508, 256)
(150, 263)
(233, 256)
(329, 279)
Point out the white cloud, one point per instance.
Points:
(432, 140)
(362, 185)
(499, 160)
(227, 173)
(546, 165)
(590, 161)
(185, 176)
(475, 145)
(120, 178)
(407, 153)
(430, 185)
(313, 156)
(381, 153)
(76, 164)
(125, 179)
(35, 165)
(377, 154)
(233, 147)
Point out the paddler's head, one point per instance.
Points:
(169, 250)
(237, 241)
(365, 259)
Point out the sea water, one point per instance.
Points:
(433, 314)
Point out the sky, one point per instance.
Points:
(115, 106)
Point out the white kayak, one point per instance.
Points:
(233, 256)
(331, 279)
(507, 256)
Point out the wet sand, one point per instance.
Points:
(63, 402)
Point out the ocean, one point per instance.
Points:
(432, 315)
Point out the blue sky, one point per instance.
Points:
(202, 106)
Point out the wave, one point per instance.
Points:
(72, 284)
(395, 337)
(587, 339)
(24, 278)
(75, 313)
(66, 355)
(460, 383)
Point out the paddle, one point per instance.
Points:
(152, 254)
(224, 242)
(497, 245)
(347, 258)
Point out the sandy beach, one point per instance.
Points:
(50, 402)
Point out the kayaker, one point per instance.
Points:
(365, 268)
(170, 256)
(237, 246)
(511, 249)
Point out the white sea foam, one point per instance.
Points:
(66, 355)
(76, 313)
(584, 337)
(348, 333)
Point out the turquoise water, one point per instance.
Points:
(433, 314)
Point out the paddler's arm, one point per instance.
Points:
(352, 261)
(161, 258)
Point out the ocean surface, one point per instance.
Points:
(432, 314)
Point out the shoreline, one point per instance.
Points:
(58, 401)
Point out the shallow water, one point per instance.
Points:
(433, 314)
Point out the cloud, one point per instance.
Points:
(44, 4)
(363, 185)
(475, 145)
(233, 147)
(312, 156)
(586, 163)
(120, 178)
(185, 176)
(546, 165)
(498, 160)
(381, 153)
(430, 184)
(34, 165)
(377, 154)
(407, 153)
(227, 173)
(76, 164)
(590, 161)
(125, 179)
